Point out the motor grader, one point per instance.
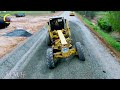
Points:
(60, 42)
(72, 14)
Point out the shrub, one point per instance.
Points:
(103, 24)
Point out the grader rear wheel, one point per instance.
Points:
(48, 40)
(80, 51)
(49, 56)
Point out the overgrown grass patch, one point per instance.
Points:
(33, 13)
(37, 13)
(10, 12)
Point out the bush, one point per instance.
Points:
(114, 19)
(103, 24)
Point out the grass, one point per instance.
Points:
(37, 13)
(11, 13)
(106, 36)
(33, 13)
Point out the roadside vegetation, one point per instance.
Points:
(33, 13)
(105, 23)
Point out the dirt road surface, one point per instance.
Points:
(99, 63)
(29, 23)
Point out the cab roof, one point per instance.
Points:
(55, 17)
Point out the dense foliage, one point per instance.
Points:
(109, 21)
(87, 14)
(114, 19)
(104, 24)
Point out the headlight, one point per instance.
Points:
(64, 50)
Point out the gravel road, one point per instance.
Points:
(99, 63)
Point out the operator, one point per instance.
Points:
(57, 26)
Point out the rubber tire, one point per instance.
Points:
(80, 51)
(48, 41)
(49, 56)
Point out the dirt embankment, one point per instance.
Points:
(29, 23)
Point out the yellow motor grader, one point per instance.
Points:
(60, 42)
(72, 14)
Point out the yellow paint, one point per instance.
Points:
(5, 17)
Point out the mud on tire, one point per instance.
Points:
(80, 51)
(49, 56)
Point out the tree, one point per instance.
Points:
(87, 14)
(114, 19)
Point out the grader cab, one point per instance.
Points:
(60, 42)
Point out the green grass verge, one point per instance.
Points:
(33, 13)
(106, 36)
(10, 12)
(37, 13)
